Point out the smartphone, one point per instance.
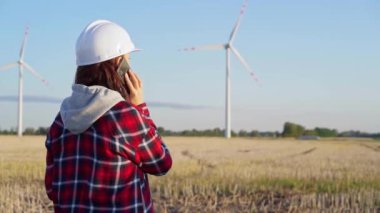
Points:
(123, 68)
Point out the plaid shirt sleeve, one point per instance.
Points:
(139, 140)
(49, 170)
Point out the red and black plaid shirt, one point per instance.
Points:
(104, 169)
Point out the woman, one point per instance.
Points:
(103, 143)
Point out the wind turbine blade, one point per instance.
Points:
(236, 27)
(34, 72)
(245, 64)
(22, 50)
(7, 66)
(204, 47)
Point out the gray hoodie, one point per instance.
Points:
(86, 105)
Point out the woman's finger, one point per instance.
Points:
(129, 83)
(133, 79)
(138, 79)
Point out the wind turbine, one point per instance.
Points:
(21, 65)
(229, 48)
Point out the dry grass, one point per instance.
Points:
(215, 175)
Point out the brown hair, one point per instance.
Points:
(101, 74)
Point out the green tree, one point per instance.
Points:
(310, 132)
(325, 132)
(161, 130)
(29, 131)
(243, 133)
(292, 130)
(254, 133)
(42, 131)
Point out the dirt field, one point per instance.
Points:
(218, 175)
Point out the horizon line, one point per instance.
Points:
(53, 100)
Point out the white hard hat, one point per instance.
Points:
(100, 41)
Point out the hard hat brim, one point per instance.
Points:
(136, 50)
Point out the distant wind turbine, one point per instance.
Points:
(22, 64)
(228, 47)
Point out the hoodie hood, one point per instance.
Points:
(86, 105)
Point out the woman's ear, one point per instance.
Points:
(118, 60)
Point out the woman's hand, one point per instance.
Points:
(135, 86)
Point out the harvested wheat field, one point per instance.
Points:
(218, 175)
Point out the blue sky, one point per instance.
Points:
(318, 61)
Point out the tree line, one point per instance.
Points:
(297, 130)
(289, 130)
(27, 131)
(217, 132)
